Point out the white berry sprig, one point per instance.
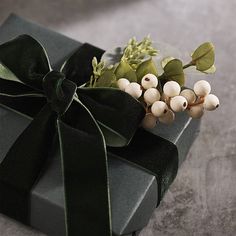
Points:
(203, 101)
(135, 51)
(162, 107)
(161, 95)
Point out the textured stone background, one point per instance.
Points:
(202, 200)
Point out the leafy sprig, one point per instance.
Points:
(203, 58)
(135, 52)
(102, 76)
(137, 60)
(98, 70)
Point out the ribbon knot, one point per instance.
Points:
(59, 91)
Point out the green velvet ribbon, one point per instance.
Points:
(85, 120)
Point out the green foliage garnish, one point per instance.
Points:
(211, 70)
(146, 67)
(173, 70)
(98, 71)
(6, 73)
(107, 79)
(137, 61)
(135, 52)
(204, 56)
(124, 70)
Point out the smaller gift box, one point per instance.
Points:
(135, 191)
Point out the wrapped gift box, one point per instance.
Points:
(134, 191)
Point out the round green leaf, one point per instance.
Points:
(146, 67)
(124, 70)
(107, 79)
(5, 73)
(166, 60)
(211, 70)
(204, 56)
(173, 70)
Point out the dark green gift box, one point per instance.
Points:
(135, 191)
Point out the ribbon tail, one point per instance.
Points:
(23, 164)
(85, 174)
(142, 151)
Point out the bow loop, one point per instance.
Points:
(116, 112)
(59, 91)
(78, 68)
(25, 58)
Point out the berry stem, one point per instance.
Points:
(162, 76)
(91, 81)
(94, 82)
(198, 102)
(192, 63)
(167, 100)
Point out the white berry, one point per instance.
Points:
(171, 89)
(134, 89)
(149, 81)
(168, 118)
(211, 102)
(196, 111)
(189, 95)
(159, 108)
(178, 103)
(151, 95)
(122, 83)
(149, 121)
(202, 88)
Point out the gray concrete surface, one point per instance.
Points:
(202, 200)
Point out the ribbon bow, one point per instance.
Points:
(84, 120)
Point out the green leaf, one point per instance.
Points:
(174, 71)
(5, 73)
(211, 70)
(204, 56)
(166, 60)
(107, 79)
(146, 67)
(124, 70)
(94, 62)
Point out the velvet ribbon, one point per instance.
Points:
(86, 121)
